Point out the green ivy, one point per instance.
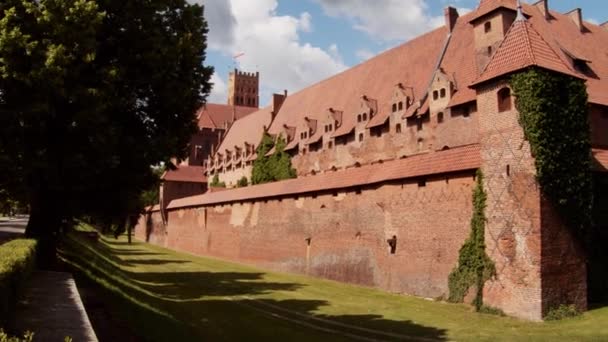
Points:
(215, 182)
(553, 113)
(275, 167)
(474, 266)
(243, 182)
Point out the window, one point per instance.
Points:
(487, 27)
(422, 183)
(394, 107)
(435, 95)
(466, 112)
(364, 116)
(398, 128)
(442, 92)
(400, 105)
(489, 50)
(325, 128)
(359, 118)
(360, 136)
(392, 243)
(504, 100)
(419, 124)
(330, 144)
(440, 117)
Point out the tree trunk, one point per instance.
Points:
(43, 225)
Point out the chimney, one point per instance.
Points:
(577, 17)
(451, 15)
(543, 7)
(277, 102)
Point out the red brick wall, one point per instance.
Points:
(524, 237)
(348, 233)
(151, 228)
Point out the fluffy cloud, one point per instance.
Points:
(271, 44)
(386, 20)
(219, 93)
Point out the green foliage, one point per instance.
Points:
(488, 310)
(561, 312)
(93, 92)
(554, 115)
(243, 182)
(215, 182)
(16, 264)
(474, 266)
(275, 167)
(27, 337)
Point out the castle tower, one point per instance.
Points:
(524, 235)
(243, 89)
(490, 26)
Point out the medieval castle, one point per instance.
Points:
(388, 150)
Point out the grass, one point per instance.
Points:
(166, 295)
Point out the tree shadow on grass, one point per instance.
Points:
(193, 306)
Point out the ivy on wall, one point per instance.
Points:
(553, 113)
(275, 167)
(215, 182)
(474, 266)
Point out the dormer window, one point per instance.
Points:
(442, 93)
(487, 27)
(504, 100)
(394, 107)
(440, 117)
(364, 116)
(400, 105)
(435, 95)
(489, 50)
(359, 118)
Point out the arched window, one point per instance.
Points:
(442, 92)
(487, 26)
(364, 116)
(359, 118)
(504, 100)
(435, 95)
(394, 107)
(400, 105)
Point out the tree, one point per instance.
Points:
(93, 92)
(281, 162)
(261, 172)
(275, 167)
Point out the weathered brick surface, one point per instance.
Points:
(348, 233)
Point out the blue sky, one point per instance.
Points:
(295, 43)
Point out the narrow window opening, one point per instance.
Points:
(308, 241)
(504, 100)
(364, 116)
(508, 170)
(489, 50)
(419, 124)
(435, 95)
(392, 242)
(440, 117)
(398, 128)
(487, 27)
(360, 136)
(394, 107)
(330, 144)
(400, 105)
(442, 93)
(422, 183)
(359, 118)
(358, 191)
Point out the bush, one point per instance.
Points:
(243, 182)
(17, 261)
(561, 312)
(215, 182)
(27, 337)
(488, 310)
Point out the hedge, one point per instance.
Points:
(17, 261)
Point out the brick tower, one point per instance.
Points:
(243, 89)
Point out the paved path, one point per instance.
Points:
(12, 229)
(52, 309)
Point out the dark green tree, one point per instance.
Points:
(280, 162)
(92, 93)
(275, 167)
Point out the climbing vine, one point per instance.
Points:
(554, 116)
(474, 266)
(274, 167)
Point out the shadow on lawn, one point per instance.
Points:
(219, 305)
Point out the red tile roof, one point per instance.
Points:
(600, 159)
(248, 129)
(189, 174)
(489, 6)
(523, 47)
(214, 115)
(457, 159)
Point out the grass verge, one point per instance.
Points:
(17, 261)
(166, 295)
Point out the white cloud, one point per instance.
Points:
(386, 20)
(219, 92)
(364, 54)
(271, 43)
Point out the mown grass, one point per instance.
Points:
(166, 295)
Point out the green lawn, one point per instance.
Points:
(165, 295)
